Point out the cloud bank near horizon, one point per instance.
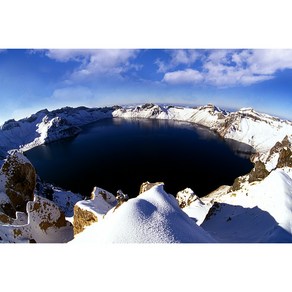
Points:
(227, 68)
(52, 78)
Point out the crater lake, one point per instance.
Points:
(123, 153)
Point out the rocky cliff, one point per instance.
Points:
(24, 216)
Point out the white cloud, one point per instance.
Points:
(183, 76)
(270, 61)
(219, 56)
(162, 66)
(65, 55)
(96, 62)
(224, 74)
(220, 68)
(177, 57)
(186, 57)
(225, 68)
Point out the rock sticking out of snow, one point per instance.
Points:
(25, 217)
(145, 186)
(43, 223)
(87, 212)
(152, 217)
(192, 205)
(17, 184)
(186, 197)
(66, 200)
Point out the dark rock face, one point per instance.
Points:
(237, 183)
(9, 125)
(4, 219)
(285, 158)
(19, 177)
(229, 123)
(61, 128)
(155, 109)
(147, 106)
(213, 210)
(8, 208)
(284, 149)
(258, 173)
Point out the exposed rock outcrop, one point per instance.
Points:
(60, 128)
(284, 149)
(186, 197)
(47, 222)
(145, 186)
(238, 183)
(88, 211)
(121, 198)
(82, 218)
(152, 217)
(43, 223)
(17, 184)
(5, 219)
(259, 172)
(193, 206)
(280, 155)
(64, 199)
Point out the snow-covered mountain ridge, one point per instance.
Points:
(45, 127)
(261, 131)
(258, 130)
(256, 208)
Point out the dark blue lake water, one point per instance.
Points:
(122, 154)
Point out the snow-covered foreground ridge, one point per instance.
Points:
(256, 208)
(153, 217)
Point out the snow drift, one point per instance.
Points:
(258, 212)
(153, 217)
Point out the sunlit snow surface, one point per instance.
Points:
(258, 212)
(153, 217)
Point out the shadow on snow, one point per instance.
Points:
(236, 224)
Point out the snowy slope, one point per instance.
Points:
(192, 205)
(208, 116)
(258, 212)
(100, 203)
(153, 217)
(261, 131)
(44, 127)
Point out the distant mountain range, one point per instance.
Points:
(257, 208)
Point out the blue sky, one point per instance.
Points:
(31, 80)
